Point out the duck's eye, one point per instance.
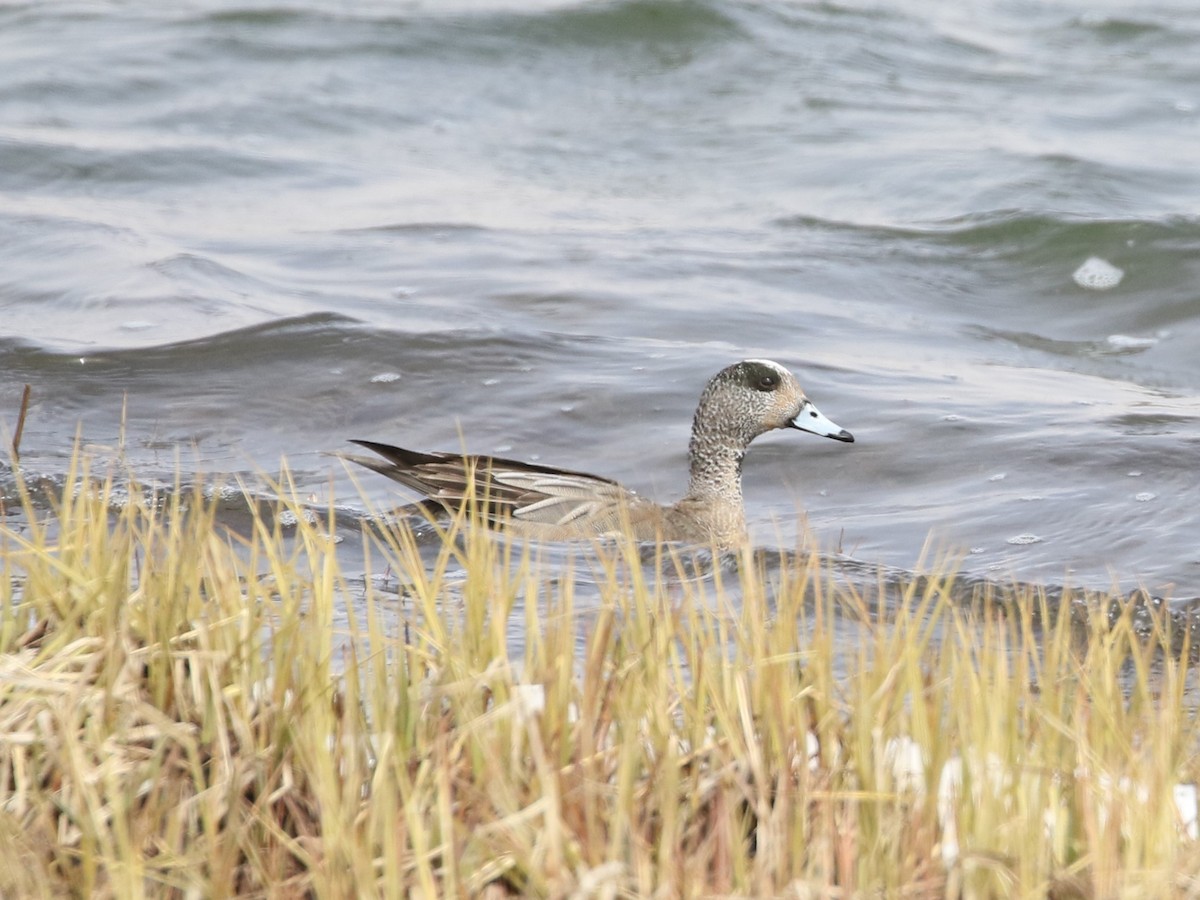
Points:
(767, 382)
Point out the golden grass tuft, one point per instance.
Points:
(180, 716)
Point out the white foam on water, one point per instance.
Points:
(1025, 539)
(1125, 342)
(1098, 274)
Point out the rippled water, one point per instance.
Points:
(233, 231)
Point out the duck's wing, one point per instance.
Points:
(507, 489)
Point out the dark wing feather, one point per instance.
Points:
(507, 488)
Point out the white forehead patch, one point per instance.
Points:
(769, 362)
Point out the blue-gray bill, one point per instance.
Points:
(813, 421)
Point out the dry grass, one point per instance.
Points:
(173, 723)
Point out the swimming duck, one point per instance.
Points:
(739, 403)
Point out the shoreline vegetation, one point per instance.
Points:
(179, 717)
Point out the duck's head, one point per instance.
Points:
(758, 395)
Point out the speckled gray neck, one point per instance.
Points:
(715, 464)
(723, 428)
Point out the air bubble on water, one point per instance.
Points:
(999, 476)
(385, 378)
(952, 417)
(1098, 274)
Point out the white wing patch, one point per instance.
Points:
(563, 498)
(573, 509)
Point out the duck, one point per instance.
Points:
(739, 403)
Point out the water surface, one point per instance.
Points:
(232, 232)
